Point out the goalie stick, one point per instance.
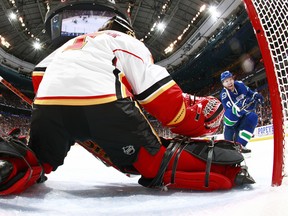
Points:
(16, 91)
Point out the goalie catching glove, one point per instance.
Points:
(19, 167)
(203, 116)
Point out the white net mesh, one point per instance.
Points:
(273, 17)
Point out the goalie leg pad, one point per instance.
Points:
(195, 181)
(26, 168)
(195, 157)
(224, 152)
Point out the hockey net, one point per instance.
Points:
(270, 21)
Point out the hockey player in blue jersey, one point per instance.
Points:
(240, 103)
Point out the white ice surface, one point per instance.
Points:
(84, 186)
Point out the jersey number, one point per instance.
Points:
(79, 42)
(228, 104)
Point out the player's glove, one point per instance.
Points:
(258, 97)
(244, 106)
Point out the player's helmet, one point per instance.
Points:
(225, 75)
(118, 23)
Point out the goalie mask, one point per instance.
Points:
(118, 23)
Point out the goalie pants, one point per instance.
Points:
(124, 134)
(119, 128)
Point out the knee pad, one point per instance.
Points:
(26, 169)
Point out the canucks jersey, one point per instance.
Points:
(238, 127)
(229, 98)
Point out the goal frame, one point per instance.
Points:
(275, 94)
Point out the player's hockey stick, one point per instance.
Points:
(16, 91)
(249, 104)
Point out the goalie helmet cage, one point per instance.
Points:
(270, 21)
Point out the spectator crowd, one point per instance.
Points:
(14, 112)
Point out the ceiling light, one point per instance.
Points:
(12, 16)
(37, 45)
(161, 26)
(203, 7)
(165, 8)
(168, 49)
(171, 47)
(4, 42)
(213, 11)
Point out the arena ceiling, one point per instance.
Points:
(176, 14)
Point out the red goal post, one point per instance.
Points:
(270, 23)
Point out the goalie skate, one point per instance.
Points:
(244, 177)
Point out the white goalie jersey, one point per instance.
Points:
(96, 68)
